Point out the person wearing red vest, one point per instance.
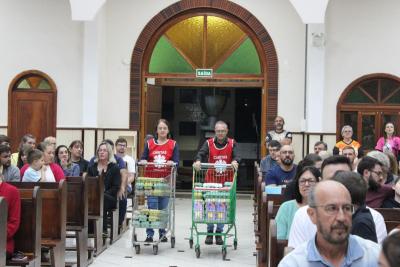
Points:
(162, 151)
(219, 149)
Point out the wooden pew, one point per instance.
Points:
(391, 217)
(257, 211)
(3, 231)
(276, 247)
(77, 216)
(54, 215)
(28, 237)
(114, 227)
(95, 212)
(262, 244)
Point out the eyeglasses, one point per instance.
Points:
(380, 174)
(287, 152)
(220, 131)
(332, 209)
(309, 181)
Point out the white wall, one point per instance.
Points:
(362, 38)
(40, 35)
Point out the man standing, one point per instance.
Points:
(10, 172)
(371, 170)
(219, 149)
(320, 146)
(284, 172)
(331, 211)
(279, 134)
(270, 160)
(121, 146)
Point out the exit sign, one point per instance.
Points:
(204, 73)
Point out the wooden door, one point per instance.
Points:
(32, 107)
(152, 112)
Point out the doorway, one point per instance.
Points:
(192, 113)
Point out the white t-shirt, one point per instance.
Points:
(130, 163)
(303, 229)
(49, 175)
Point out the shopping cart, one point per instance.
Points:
(154, 181)
(214, 201)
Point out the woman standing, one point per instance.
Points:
(389, 142)
(305, 180)
(106, 165)
(63, 159)
(162, 151)
(347, 135)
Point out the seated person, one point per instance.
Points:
(363, 224)
(272, 159)
(10, 172)
(390, 253)
(35, 171)
(304, 181)
(63, 159)
(76, 149)
(284, 172)
(394, 202)
(11, 194)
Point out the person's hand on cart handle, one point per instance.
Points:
(142, 162)
(197, 165)
(170, 163)
(235, 164)
(121, 193)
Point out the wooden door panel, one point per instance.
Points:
(32, 112)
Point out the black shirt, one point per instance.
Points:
(83, 165)
(363, 224)
(202, 155)
(390, 203)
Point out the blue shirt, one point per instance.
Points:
(278, 176)
(266, 164)
(360, 253)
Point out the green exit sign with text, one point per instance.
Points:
(204, 73)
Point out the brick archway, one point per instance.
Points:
(262, 39)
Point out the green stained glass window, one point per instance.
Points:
(44, 85)
(357, 96)
(243, 60)
(23, 84)
(394, 99)
(166, 59)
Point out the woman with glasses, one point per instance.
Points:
(347, 135)
(304, 181)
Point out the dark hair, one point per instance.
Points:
(4, 138)
(321, 143)
(169, 128)
(367, 163)
(349, 147)
(4, 148)
(121, 140)
(109, 141)
(333, 160)
(354, 183)
(384, 127)
(73, 143)
(33, 155)
(391, 249)
(312, 157)
(57, 159)
(23, 150)
(315, 172)
(274, 143)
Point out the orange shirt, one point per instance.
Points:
(341, 144)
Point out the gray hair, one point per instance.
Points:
(346, 127)
(381, 157)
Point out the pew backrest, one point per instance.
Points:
(3, 230)
(95, 195)
(28, 237)
(391, 217)
(77, 207)
(276, 247)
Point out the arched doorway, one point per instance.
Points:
(32, 106)
(216, 49)
(367, 104)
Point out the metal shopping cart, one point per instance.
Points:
(154, 184)
(214, 201)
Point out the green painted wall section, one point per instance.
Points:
(243, 60)
(166, 59)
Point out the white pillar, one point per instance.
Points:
(315, 77)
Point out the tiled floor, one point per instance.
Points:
(123, 254)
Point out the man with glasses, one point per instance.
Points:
(272, 159)
(219, 149)
(371, 170)
(284, 172)
(331, 210)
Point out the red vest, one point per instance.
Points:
(222, 156)
(159, 154)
